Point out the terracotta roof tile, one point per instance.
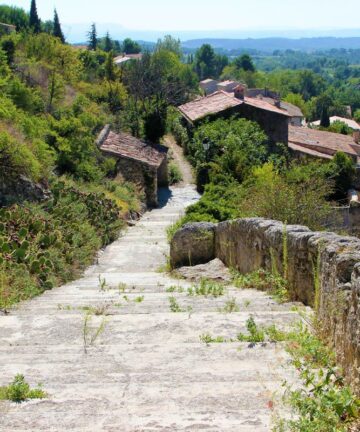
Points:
(323, 142)
(212, 104)
(258, 103)
(126, 146)
(221, 101)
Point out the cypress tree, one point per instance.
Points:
(108, 45)
(57, 32)
(325, 120)
(34, 20)
(92, 38)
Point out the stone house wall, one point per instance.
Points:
(143, 176)
(319, 264)
(276, 126)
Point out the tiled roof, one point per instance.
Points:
(212, 104)
(308, 151)
(126, 146)
(351, 123)
(221, 101)
(291, 109)
(323, 142)
(258, 103)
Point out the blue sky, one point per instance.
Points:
(202, 15)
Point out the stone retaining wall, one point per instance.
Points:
(314, 259)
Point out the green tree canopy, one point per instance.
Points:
(57, 32)
(34, 20)
(245, 62)
(92, 38)
(130, 46)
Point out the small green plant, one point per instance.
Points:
(174, 306)
(255, 335)
(174, 288)
(139, 299)
(207, 339)
(102, 284)
(102, 309)
(263, 280)
(19, 391)
(206, 288)
(122, 287)
(247, 303)
(90, 334)
(230, 306)
(276, 335)
(324, 402)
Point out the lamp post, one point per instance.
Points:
(206, 147)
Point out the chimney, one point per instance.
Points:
(239, 92)
(277, 102)
(356, 136)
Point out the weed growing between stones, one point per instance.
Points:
(174, 305)
(207, 339)
(206, 288)
(174, 288)
(263, 280)
(255, 335)
(324, 402)
(139, 299)
(90, 334)
(230, 306)
(20, 391)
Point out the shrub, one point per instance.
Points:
(19, 391)
(175, 175)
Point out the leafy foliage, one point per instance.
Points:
(20, 391)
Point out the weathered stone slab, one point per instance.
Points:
(193, 244)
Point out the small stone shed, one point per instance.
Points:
(138, 162)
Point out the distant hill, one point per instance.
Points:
(268, 45)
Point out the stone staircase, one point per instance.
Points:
(147, 370)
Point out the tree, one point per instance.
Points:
(169, 44)
(325, 120)
(205, 62)
(34, 20)
(57, 32)
(110, 67)
(245, 62)
(108, 43)
(131, 47)
(92, 38)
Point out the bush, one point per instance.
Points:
(43, 245)
(19, 391)
(175, 175)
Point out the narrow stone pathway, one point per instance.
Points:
(147, 370)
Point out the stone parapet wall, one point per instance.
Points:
(319, 265)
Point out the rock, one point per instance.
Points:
(193, 244)
(214, 270)
(21, 188)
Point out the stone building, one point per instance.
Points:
(138, 162)
(307, 142)
(272, 119)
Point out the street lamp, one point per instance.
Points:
(206, 147)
